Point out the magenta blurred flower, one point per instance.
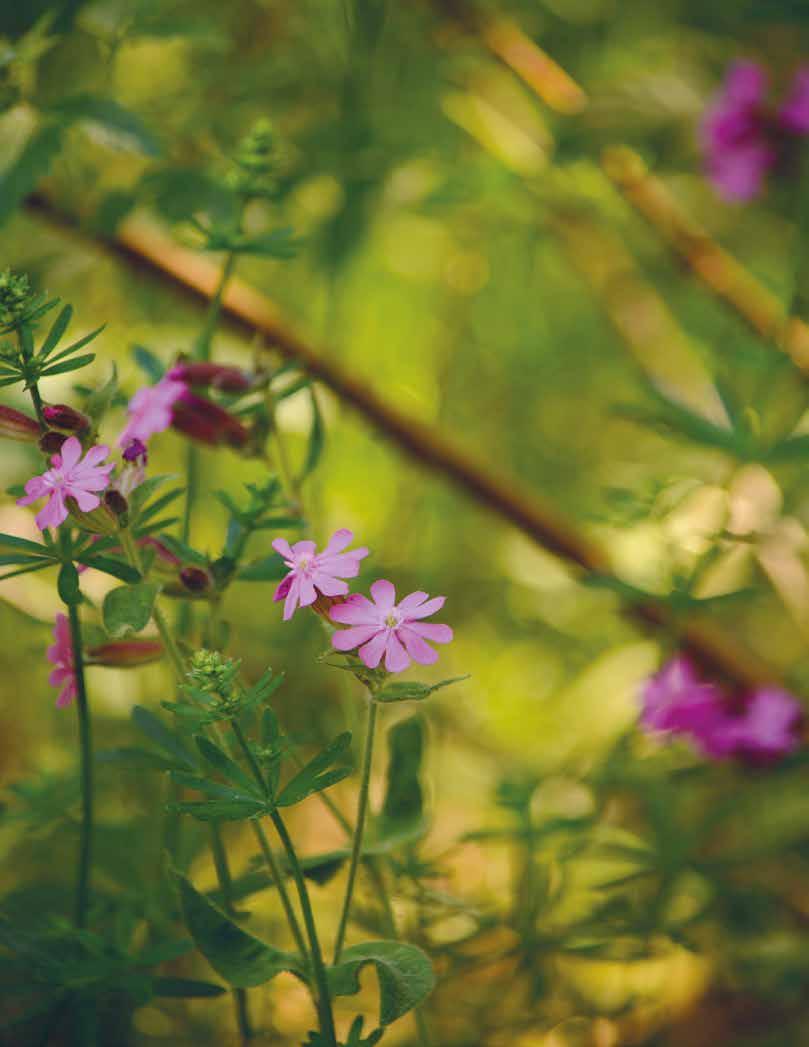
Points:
(768, 727)
(14, 425)
(312, 572)
(206, 422)
(150, 411)
(63, 416)
(60, 654)
(70, 477)
(743, 137)
(224, 377)
(676, 700)
(390, 629)
(758, 728)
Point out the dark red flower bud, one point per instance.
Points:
(195, 579)
(221, 376)
(207, 422)
(115, 502)
(14, 425)
(62, 416)
(123, 654)
(51, 442)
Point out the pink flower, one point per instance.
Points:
(71, 477)
(676, 700)
(60, 654)
(390, 629)
(756, 728)
(743, 137)
(312, 572)
(150, 410)
(767, 728)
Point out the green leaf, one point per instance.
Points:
(11, 541)
(109, 565)
(78, 344)
(405, 976)
(217, 790)
(269, 569)
(186, 988)
(794, 449)
(68, 365)
(183, 552)
(136, 757)
(107, 113)
(151, 364)
(240, 959)
(317, 438)
(406, 691)
(99, 401)
(402, 809)
(58, 328)
(227, 767)
(315, 775)
(68, 584)
(128, 608)
(220, 810)
(156, 731)
(33, 163)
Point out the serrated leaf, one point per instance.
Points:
(315, 775)
(242, 960)
(407, 691)
(405, 976)
(128, 608)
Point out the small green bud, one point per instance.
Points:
(15, 293)
(213, 672)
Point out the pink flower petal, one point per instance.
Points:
(54, 514)
(396, 657)
(431, 631)
(291, 602)
(71, 453)
(85, 500)
(348, 639)
(338, 541)
(418, 650)
(428, 608)
(95, 455)
(327, 585)
(356, 610)
(283, 588)
(344, 565)
(372, 652)
(308, 593)
(304, 548)
(384, 593)
(281, 546)
(411, 601)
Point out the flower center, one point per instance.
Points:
(392, 619)
(304, 563)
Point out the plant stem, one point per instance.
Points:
(318, 966)
(359, 828)
(223, 876)
(86, 758)
(202, 349)
(266, 850)
(33, 388)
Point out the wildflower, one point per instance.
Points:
(224, 377)
(70, 477)
(60, 654)
(676, 700)
(767, 728)
(133, 473)
(744, 138)
(390, 629)
(63, 416)
(125, 654)
(206, 422)
(150, 411)
(14, 425)
(312, 572)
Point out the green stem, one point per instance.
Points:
(86, 758)
(33, 388)
(226, 884)
(359, 828)
(266, 850)
(203, 345)
(318, 966)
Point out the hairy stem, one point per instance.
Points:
(266, 850)
(318, 966)
(359, 828)
(86, 758)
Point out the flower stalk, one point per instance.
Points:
(86, 762)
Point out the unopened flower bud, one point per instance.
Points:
(220, 376)
(124, 654)
(14, 425)
(62, 416)
(116, 503)
(51, 442)
(207, 422)
(195, 580)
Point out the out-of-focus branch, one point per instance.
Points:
(709, 262)
(146, 244)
